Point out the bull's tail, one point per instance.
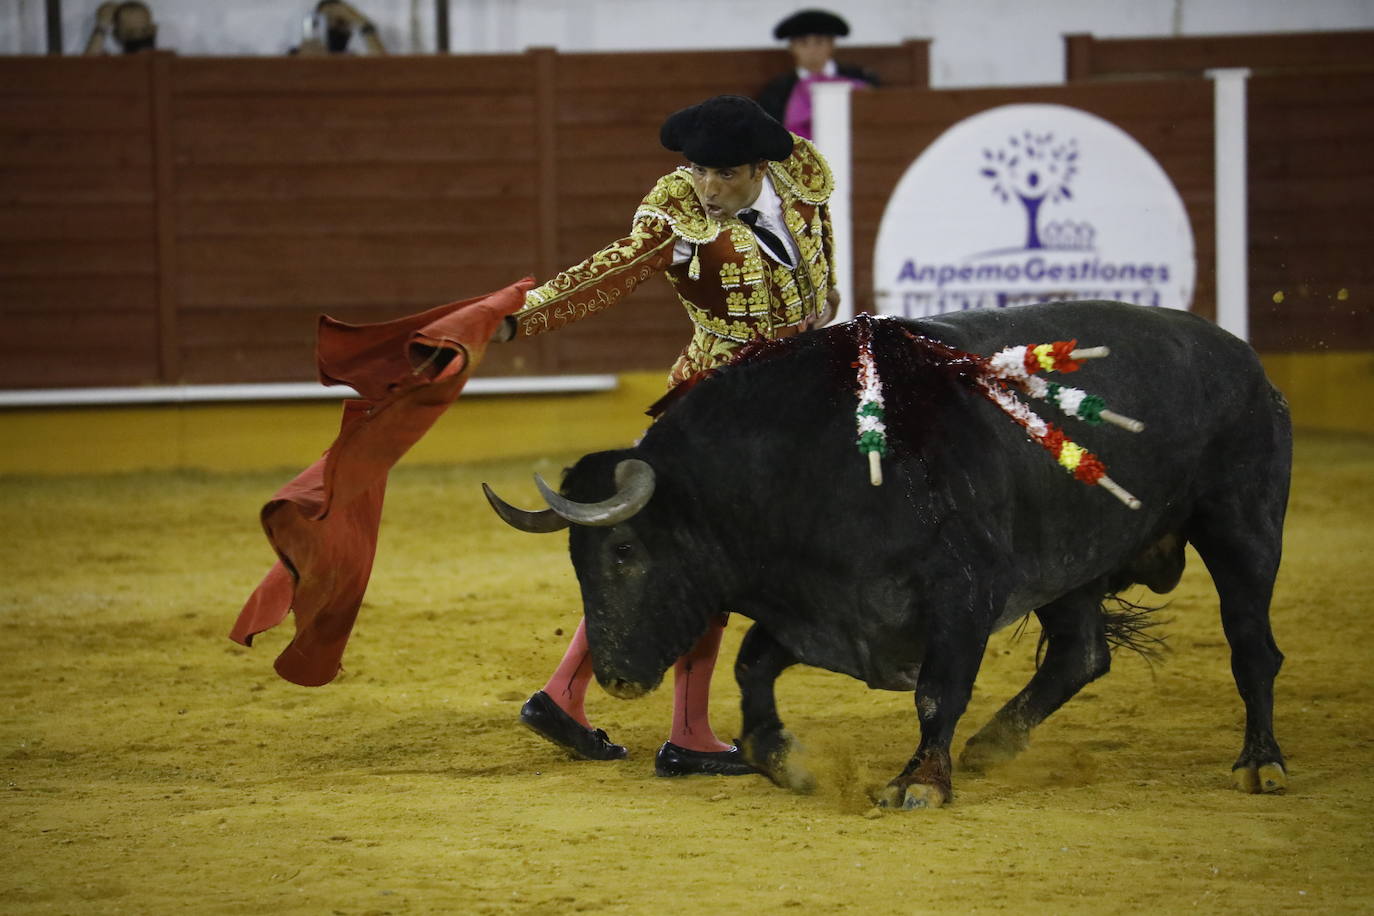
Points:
(1132, 626)
(1128, 626)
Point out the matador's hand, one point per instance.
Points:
(832, 305)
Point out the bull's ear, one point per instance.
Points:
(634, 480)
(542, 521)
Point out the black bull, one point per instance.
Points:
(761, 505)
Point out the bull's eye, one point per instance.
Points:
(622, 552)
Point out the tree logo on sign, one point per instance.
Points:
(1034, 168)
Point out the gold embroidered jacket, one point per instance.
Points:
(732, 291)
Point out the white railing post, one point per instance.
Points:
(1233, 282)
(830, 120)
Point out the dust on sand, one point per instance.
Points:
(151, 766)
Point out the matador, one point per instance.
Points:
(742, 232)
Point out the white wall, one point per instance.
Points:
(976, 42)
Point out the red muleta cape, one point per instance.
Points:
(323, 524)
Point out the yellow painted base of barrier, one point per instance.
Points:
(1326, 391)
(1331, 391)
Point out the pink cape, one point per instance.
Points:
(323, 524)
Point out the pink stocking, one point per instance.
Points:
(692, 694)
(568, 686)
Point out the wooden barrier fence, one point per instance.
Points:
(1311, 169)
(172, 220)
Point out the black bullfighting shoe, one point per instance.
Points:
(541, 714)
(674, 760)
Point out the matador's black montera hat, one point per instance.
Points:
(811, 22)
(725, 130)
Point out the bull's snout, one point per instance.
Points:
(625, 689)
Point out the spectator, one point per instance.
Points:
(811, 38)
(331, 28)
(130, 24)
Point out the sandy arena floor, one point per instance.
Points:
(152, 766)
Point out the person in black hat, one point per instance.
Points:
(742, 232)
(810, 36)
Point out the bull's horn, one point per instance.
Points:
(540, 522)
(634, 481)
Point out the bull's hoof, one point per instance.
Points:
(915, 797)
(777, 755)
(1264, 778)
(991, 747)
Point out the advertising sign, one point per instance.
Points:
(1029, 203)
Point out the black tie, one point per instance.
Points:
(751, 218)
